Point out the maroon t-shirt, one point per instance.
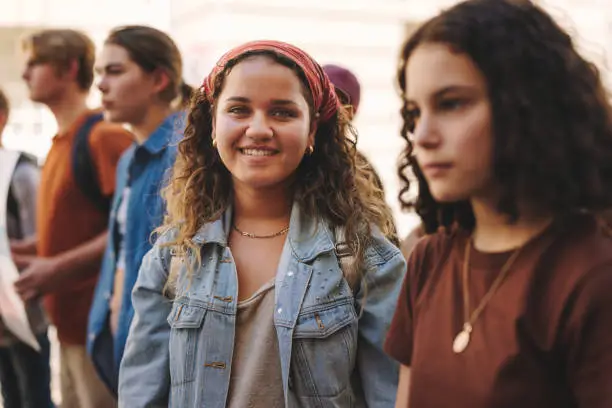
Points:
(544, 339)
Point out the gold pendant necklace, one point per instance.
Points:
(462, 340)
(254, 236)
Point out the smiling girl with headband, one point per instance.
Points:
(272, 284)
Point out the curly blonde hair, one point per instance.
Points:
(329, 185)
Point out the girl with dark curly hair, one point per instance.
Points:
(509, 133)
(273, 283)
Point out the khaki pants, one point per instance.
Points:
(80, 385)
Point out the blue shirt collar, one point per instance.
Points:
(168, 132)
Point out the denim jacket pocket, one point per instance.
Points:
(324, 348)
(185, 322)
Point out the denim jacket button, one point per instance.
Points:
(290, 273)
(107, 295)
(280, 310)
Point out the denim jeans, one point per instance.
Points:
(25, 375)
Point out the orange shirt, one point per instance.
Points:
(66, 218)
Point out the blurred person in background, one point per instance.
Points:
(273, 284)
(508, 130)
(62, 262)
(140, 79)
(348, 89)
(349, 92)
(25, 374)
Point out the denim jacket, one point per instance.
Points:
(144, 168)
(179, 349)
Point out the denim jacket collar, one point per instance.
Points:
(159, 140)
(215, 232)
(308, 237)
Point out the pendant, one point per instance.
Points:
(463, 339)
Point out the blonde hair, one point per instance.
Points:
(62, 46)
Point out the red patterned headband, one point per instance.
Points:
(324, 97)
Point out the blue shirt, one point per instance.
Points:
(330, 334)
(144, 169)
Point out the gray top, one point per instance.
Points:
(256, 379)
(24, 185)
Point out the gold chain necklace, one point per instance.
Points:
(463, 338)
(254, 236)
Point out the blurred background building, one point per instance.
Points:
(363, 35)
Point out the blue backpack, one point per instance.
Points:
(83, 169)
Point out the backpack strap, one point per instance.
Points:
(346, 259)
(27, 158)
(83, 169)
(12, 205)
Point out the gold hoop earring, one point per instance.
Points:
(310, 150)
(214, 143)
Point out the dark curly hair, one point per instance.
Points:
(552, 122)
(329, 183)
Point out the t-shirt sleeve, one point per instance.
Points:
(26, 179)
(588, 340)
(107, 144)
(399, 339)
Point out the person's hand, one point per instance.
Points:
(25, 246)
(37, 279)
(23, 261)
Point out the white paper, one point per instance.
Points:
(12, 308)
